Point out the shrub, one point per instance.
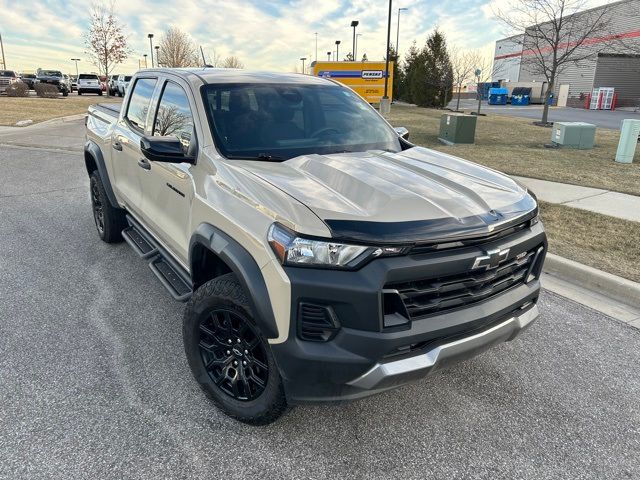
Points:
(46, 90)
(17, 89)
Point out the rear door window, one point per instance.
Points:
(140, 102)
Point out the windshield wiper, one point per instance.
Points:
(267, 157)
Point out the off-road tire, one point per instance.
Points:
(113, 219)
(225, 293)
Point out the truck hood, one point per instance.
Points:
(417, 195)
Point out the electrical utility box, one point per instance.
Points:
(578, 135)
(629, 134)
(457, 128)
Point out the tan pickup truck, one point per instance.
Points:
(322, 256)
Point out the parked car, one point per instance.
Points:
(53, 77)
(122, 84)
(112, 85)
(74, 84)
(7, 77)
(89, 83)
(322, 256)
(29, 79)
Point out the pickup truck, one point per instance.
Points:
(55, 78)
(321, 255)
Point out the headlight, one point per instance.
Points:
(294, 250)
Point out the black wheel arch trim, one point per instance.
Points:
(91, 148)
(240, 261)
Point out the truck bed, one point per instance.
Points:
(111, 109)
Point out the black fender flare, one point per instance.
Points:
(240, 261)
(92, 149)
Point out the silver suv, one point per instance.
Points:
(89, 83)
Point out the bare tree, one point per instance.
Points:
(232, 62)
(170, 121)
(177, 50)
(463, 65)
(105, 41)
(483, 70)
(556, 35)
(214, 59)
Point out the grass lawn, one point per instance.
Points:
(600, 241)
(13, 109)
(515, 146)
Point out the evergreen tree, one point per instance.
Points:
(428, 75)
(408, 72)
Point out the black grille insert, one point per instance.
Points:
(436, 295)
(316, 323)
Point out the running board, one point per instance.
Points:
(172, 275)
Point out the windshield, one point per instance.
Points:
(28, 75)
(127, 78)
(279, 121)
(50, 73)
(87, 76)
(7, 73)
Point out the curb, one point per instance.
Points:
(610, 285)
(68, 118)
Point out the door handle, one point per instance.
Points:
(143, 163)
(117, 146)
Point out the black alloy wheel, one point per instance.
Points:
(233, 355)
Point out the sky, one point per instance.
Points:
(265, 35)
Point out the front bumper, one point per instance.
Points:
(365, 357)
(391, 374)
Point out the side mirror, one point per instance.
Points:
(164, 149)
(402, 132)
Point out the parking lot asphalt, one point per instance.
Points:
(600, 118)
(94, 382)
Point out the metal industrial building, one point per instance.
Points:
(614, 60)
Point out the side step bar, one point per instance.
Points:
(174, 278)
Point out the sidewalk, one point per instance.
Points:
(614, 204)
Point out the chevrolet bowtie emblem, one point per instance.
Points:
(491, 260)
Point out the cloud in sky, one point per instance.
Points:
(266, 35)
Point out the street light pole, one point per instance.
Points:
(337, 50)
(150, 36)
(398, 33)
(4, 62)
(328, 56)
(303, 59)
(385, 105)
(316, 46)
(76, 60)
(354, 24)
(157, 47)
(145, 60)
(357, 39)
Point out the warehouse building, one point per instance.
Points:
(613, 59)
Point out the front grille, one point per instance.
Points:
(4, 81)
(437, 295)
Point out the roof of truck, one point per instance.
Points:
(234, 75)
